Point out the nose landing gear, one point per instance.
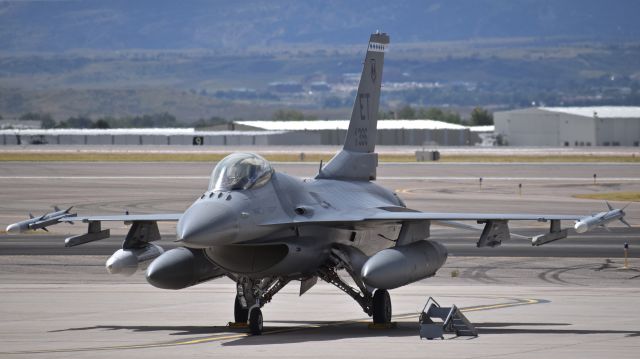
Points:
(251, 296)
(240, 314)
(255, 321)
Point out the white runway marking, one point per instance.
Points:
(93, 178)
(383, 178)
(467, 178)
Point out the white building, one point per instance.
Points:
(390, 132)
(152, 136)
(569, 126)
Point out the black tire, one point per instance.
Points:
(240, 315)
(255, 321)
(381, 307)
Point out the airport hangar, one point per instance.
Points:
(243, 133)
(569, 126)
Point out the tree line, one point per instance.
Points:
(479, 116)
(46, 120)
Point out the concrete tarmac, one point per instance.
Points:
(68, 307)
(525, 304)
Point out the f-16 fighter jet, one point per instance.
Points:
(264, 229)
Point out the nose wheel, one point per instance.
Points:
(240, 314)
(255, 321)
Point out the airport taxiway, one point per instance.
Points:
(63, 304)
(68, 307)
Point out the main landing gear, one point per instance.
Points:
(381, 307)
(375, 303)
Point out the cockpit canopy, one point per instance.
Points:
(240, 171)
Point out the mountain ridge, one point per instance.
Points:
(146, 24)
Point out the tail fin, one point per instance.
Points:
(361, 136)
(358, 160)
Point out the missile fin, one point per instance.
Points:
(609, 205)
(625, 222)
(45, 229)
(56, 208)
(30, 215)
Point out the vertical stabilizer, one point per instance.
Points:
(358, 160)
(361, 136)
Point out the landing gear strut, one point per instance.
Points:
(251, 295)
(377, 305)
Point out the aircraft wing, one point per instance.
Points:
(144, 226)
(494, 226)
(385, 215)
(438, 216)
(160, 217)
(471, 227)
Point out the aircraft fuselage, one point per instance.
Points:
(240, 230)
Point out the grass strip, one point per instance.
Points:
(612, 196)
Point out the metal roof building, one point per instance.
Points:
(390, 132)
(152, 136)
(344, 124)
(569, 126)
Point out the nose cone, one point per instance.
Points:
(394, 267)
(207, 223)
(581, 227)
(13, 228)
(122, 262)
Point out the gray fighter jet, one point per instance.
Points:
(264, 229)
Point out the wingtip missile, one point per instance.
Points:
(601, 219)
(42, 222)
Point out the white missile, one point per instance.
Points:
(41, 222)
(600, 219)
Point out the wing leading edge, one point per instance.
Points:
(495, 227)
(144, 226)
(160, 217)
(403, 216)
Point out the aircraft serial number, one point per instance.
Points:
(361, 136)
